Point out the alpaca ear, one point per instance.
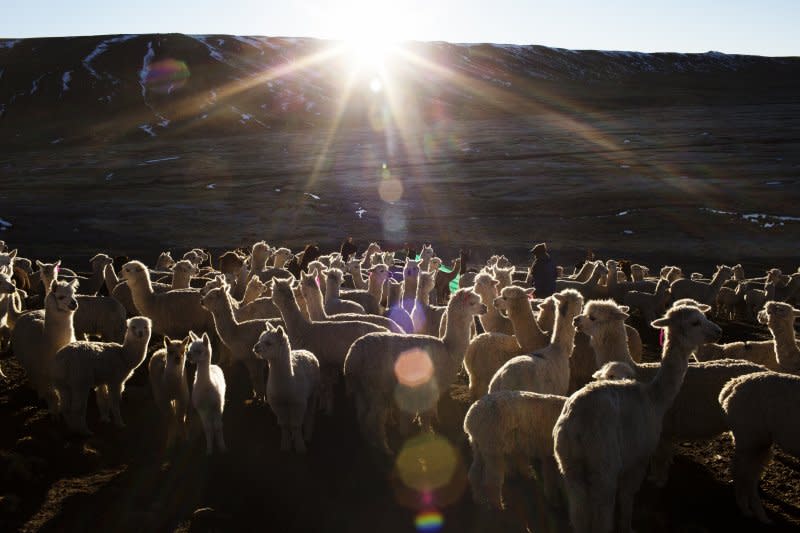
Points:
(13, 253)
(58, 263)
(39, 263)
(624, 308)
(192, 336)
(531, 291)
(558, 296)
(206, 340)
(167, 340)
(660, 323)
(704, 308)
(279, 331)
(74, 284)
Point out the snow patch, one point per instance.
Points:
(159, 160)
(109, 176)
(312, 195)
(148, 58)
(628, 232)
(65, 79)
(57, 141)
(250, 41)
(5, 224)
(213, 52)
(35, 86)
(9, 43)
(101, 48)
(622, 213)
(211, 186)
(360, 212)
(148, 129)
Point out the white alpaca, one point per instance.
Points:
(82, 366)
(607, 431)
(328, 341)
(545, 371)
(425, 257)
(409, 288)
(293, 386)
(239, 337)
(489, 351)
(165, 261)
(507, 426)
(387, 370)
(208, 391)
(333, 303)
(353, 267)
(587, 288)
(705, 293)
(316, 312)
(173, 313)
(650, 306)
(426, 317)
(780, 354)
(487, 288)
(167, 374)
(38, 335)
(761, 410)
(695, 413)
(182, 273)
(504, 277)
(97, 279)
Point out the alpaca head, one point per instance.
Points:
(218, 281)
(7, 259)
(427, 252)
(738, 272)
(724, 272)
(165, 261)
(63, 295)
(139, 328)
(380, 273)
(600, 269)
(611, 265)
(100, 261)
(373, 248)
(353, 266)
(486, 287)
(199, 349)
(316, 267)
(599, 315)
(135, 272)
(176, 352)
(282, 293)
(231, 262)
(777, 314)
(614, 370)
(690, 302)
(282, 256)
(337, 262)
(695, 276)
(6, 283)
(512, 296)
(215, 298)
(569, 304)
(435, 263)
(333, 277)
(48, 272)
(411, 269)
(255, 288)
(503, 275)
(260, 252)
(308, 284)
(272, 343)
(467, 302)
(185, 268)
(689, 326)
(195, 255)
(427, 281)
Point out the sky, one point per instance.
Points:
(766, 27)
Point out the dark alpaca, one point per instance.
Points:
(310, 253)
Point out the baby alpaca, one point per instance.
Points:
(292, 387)
(761, 411)
(167, 374)
(103, 366)
(208, 392)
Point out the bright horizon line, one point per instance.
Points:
(400, 42)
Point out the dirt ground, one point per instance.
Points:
(658, 186)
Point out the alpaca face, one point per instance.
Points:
(214, 298)
(6, 259)
(100, 261)
(690, 325)
(334, 277)
(599, 315)
(427, 282)
(165, 261)
(570, 303)
(185, 268)
(270, 343)
(6, 283)
(212, 284)
(776, 313)
(64, 295)
(411, 270)
(199, 349)
(134, 271)
(48, 271)
(469, 300)
(486, 285)
(614, 370)
(380, 272)
(139, 327)
(509, 297)
(282, 292)
(176, 352)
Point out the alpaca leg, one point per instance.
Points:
(475, 475)
(101, 394)
(602, 500)
(660, 463)
(255, 369)
(748, 464)
(494, 472)
(296, 413)
(77, 417)
(578, 499)
(310, 414)
(208, 428)
(220, 437)
(628, 487)
(114, 394)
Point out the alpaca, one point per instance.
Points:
(101, 316)
(383, 370)
(167, 373)
(727, 299)
(639, 272)
(82, 366)
(293, 386)
(38, 335)
(97, 279)
(754, 299)
(545, 371)
(585, 272)
(487, 288)
(255, 289)
(760, 410)
(173, 313)
(695, 413)
(608, 430)
(334, 304)
(353, 267)
(410, 281)
(182, 273)
(650, 306)
(239, 337)
(316, 312)
(435, 263)
(705, 293)
(328, 341)
(489, 351)
(507, 425)
(208, 391)
(587, 288)
(47, 273)
(504, 277)
(164, 262)
(671, 273)
(444, 278)
(231, 262)
(425, 257)
(780, 354)
(426, 317)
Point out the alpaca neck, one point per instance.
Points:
(224, 321)
(409, 293)
(203, 371)
(425, 264)
(423, 297)
(611, 344)
(527, 331)
(316, 311)
(97, 278)
(292, 316)
(375, 286)
(251, 293)
(57, 323)
(488, 294)
(358, 278)
(135, 349)
(787, 352)
(667, 382)
(331, 289)
(110, 277)
(142, 293)
(456, 333)
(611, 281)
(563, 332)
(280, 366)
(180, 280)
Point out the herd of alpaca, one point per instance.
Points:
(556, 384)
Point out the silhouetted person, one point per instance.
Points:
(542, 273)
(348, 249)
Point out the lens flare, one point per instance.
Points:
(427, 462)
(166, 75)
(413, 368)
(429, 521)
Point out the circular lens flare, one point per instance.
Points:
(429, 521)
(427, 462)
